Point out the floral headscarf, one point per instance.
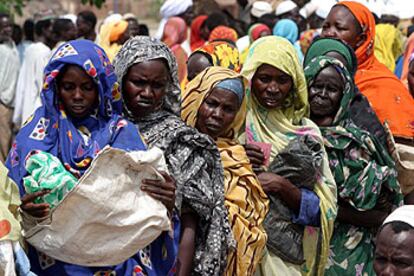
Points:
(222, 54)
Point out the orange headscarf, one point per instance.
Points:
(196, 41)
(175, 33)
(223, 33)
(389, 98)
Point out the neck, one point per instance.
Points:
(322, 121)
(90, 36)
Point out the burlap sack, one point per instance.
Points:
(106, 218)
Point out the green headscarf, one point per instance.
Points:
(312, 70)
(324, 45)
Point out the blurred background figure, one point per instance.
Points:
(86, 22)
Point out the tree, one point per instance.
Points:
(97, 3)
(12, 6)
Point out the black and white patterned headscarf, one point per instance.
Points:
(143, 48)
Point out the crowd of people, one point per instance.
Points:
(287, 132)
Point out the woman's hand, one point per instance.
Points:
(164, 191)
(256, 157)
(35, 210)
(276, 184)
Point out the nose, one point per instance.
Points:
(78, 96)
(328, 32)
(217, 113)
(273, 87)
(388, 270)
(146, 92)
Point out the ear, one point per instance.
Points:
(360, 40)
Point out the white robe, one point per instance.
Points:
(9, 72)
(30, 82)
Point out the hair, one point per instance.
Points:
(61, 25)
(215, 19)
(88, 16)
(28, 29)
(41, 25)
(3, 14)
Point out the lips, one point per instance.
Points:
(214, 127)
(78, 108)
(144, 102)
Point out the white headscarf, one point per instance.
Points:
(169, 9)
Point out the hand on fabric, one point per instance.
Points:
(256, 157)
(289, 193)
(163, 191)
(35, 210)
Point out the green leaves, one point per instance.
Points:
(12, 6)
(97, 3)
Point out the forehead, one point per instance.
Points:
(226, 96)
(155, 67)
(270, 70)
(329, 74)
(402, 241)
(342, 13)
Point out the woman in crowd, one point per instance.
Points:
(147, 73)
(113, 33)
(277, 110)
(80, 115)
(219, 53)
(214, 102)
(197, 36)
(364, 172)
(223, 33)
(361, 111)
(353, 23)
(255, 32)
(288, 29)
(175, 33)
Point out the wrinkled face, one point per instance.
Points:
(6, 29)
(144, 87)
(326, 93)
(77, 92)
(217, 112)
(410, 78)
(196, 64)
(394, 253)
(84, 27)
(342, 24)
(271, 86)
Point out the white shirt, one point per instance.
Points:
(9, 72)
(30, 82)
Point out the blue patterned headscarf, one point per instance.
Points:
(74, 141)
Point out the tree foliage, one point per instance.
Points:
(97, 3)
(12, 6)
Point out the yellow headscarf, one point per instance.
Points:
(244, 197)
(279, 126)
(388, 45)
(9, 203)
(109, 34)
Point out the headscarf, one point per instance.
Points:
(192, 158)
(390, 99)
(288, 29)
(245, 199)
(255, 31)
(403, 214)
(74, 141)
(306, 39)
(388, 45)
(409, 49)
(363, 170)
(109, 33)
(322, 46)
(195, 38)
(175, 33)
(223, 33)
(279, 126)
(221, 53)
(169, 9)
(143, 48)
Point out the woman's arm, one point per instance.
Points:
(35, 210)
(186, 250)
(368, 219)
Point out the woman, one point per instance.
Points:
(361, 111)
(196, 36)
(147, 72)
(223, 33)
(364, 172)
(277, 106)
(175, 33)
(388, 45)
(80, 115)
(389, 98)
(288, 29)
(217, 53)
(215, 104)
